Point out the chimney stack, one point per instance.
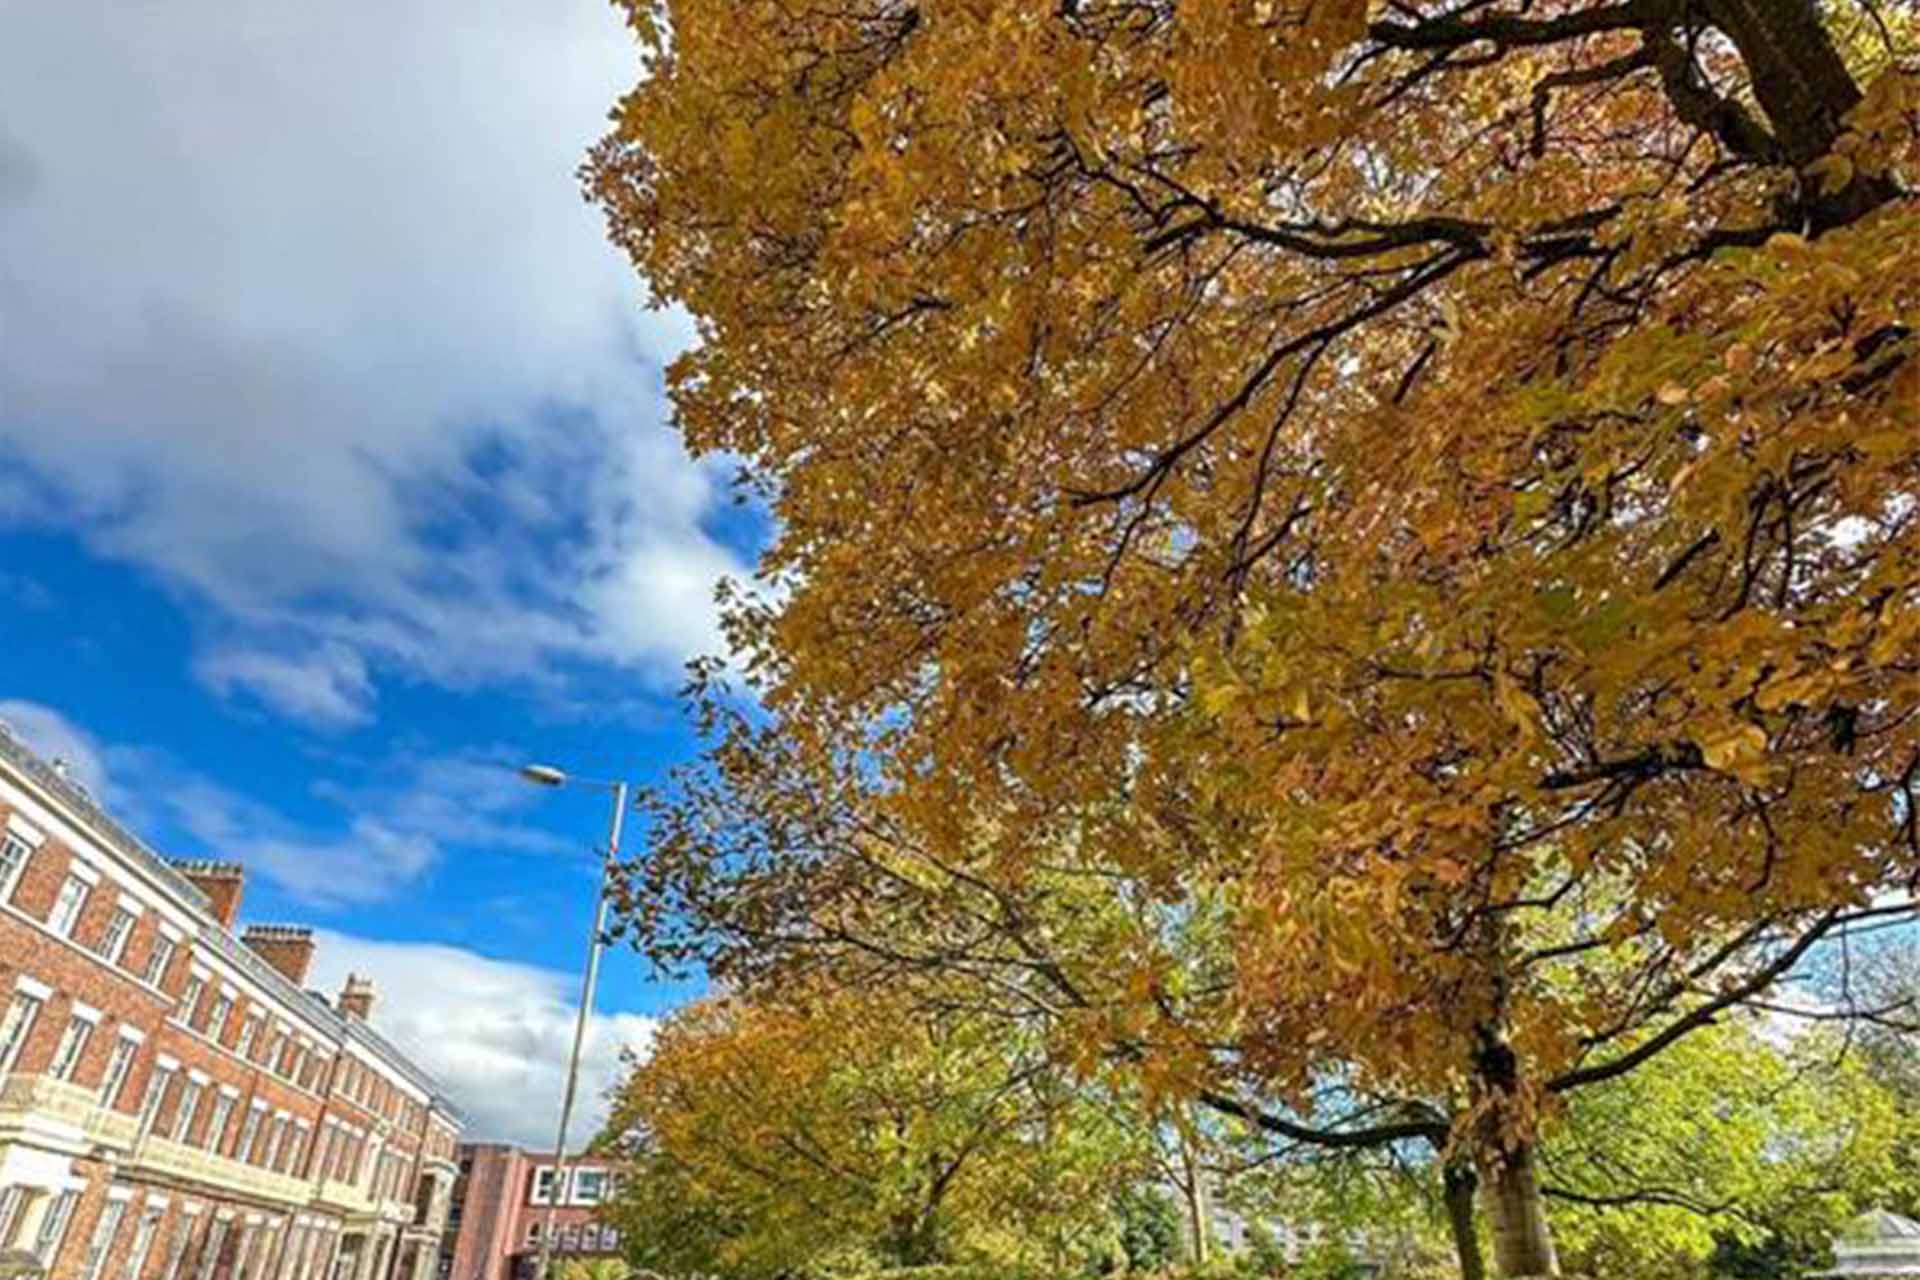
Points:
(356, 998)
(220, 881)
(287, 947)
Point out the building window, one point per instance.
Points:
(217, 1020)
(157, 1085)
(119, 1067)
(323, 1151)
(14, 853)
(296, 1148)
(13, 1202)
(189, 1003)
(210, 1251)
(343, 1157)
(68, 906)
(543, 1184)
(102, 1243)
(143, 1234)
(183, 1114)
(589, 1186)
(217, 1122)
(21, 1014)
(243, 1149)
(73, 1043)
(177, 1246)
(290, 1255)
(158, 959)
(113, 943)
(248, 1030)
(246, 1250)
(53, 1227)
(276, 1134)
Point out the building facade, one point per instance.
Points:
(502, 1201)
(174, 1103)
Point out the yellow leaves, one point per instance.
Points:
(1806, 689)
(1740, 750)
(1585, 536)
(1346, 20)
(1218, 698)
(1519, 707)
(1832, 172)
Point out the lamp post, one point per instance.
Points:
(548, 776)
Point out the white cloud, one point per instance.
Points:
(494, 1033)
(301, 310)
(392, 833)
(327, 686)
(57, 739)
(389, 835)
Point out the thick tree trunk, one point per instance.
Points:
(1522, 1242)
(1509, 1177)
(1803, 86)
(1460, 1183)
(1799, 78)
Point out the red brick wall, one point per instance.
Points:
(76, 973)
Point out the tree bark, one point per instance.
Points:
(1509, 1175)
(1460, 1184)
(1805, 90)
(1799, 79)
(1522, 1242)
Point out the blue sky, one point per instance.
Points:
(334, 480)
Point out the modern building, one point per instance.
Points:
(174, 1103)
(502, 1203)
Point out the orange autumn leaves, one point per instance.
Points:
(1437, 490)
(773, 1135)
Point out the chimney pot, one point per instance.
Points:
(356, 998)
(287, 947)
(220, 881)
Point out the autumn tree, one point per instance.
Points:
(1433, 483)
(764, 862)
(768, 1139)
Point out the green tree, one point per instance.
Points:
(594, 1269)
(765, 1139)
(1736, 1152)
(1149, 1227)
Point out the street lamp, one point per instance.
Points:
(546, 775)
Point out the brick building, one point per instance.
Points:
(500, 1205)
(174, 1103)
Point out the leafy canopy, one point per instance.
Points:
(775, 1139)
(1433, 483)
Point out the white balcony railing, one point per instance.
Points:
(42, 1103)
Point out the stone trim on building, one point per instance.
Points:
(173, 1104)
